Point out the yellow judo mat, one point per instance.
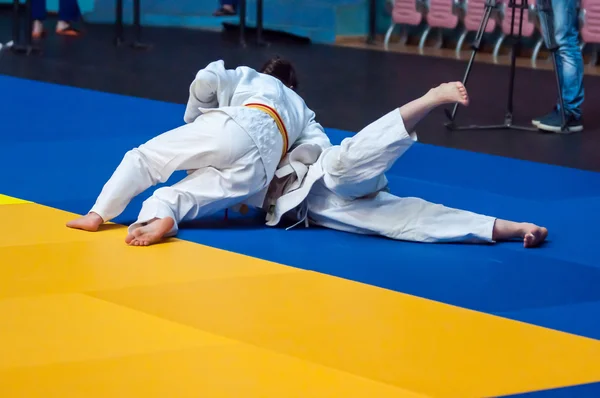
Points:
(84, 315)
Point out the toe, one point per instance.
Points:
(528, 240)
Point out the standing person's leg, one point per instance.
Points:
(214, 139)
(68, 13)
(569, 66)
(38, 15)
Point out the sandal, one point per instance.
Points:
(68, 31)
(223, 12)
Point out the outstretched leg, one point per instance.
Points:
(416, 220)
(350, 197)
(357, 167)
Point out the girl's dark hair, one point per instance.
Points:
(283, 70)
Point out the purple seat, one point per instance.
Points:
(529, 22)
(590, 26)
(441, 14)
(474, 12)
(405, 13)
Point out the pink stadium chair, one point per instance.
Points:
(442, 14)
(590, 26)
(474, 12)
(506, 15)
(405, 13)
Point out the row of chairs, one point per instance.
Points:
(466, 16)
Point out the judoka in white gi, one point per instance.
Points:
(344, 187)
(239, 125)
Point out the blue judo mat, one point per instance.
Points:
(59, 145)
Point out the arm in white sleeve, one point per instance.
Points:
(313, 133)
(203, 94)
(211, 84)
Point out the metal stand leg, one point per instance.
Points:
(16, 21)
(119, 23)
(243, 23)
(536, 52)
(388, 35)
(137, 25)
(372, 21)
(27, 47)
(516, 51)
(423, 39)
(243, 6)
(259, 24)
(489, 6)
(498, 47)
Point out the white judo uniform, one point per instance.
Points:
(230, 147)
(344, 187)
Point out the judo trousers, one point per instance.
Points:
(223, 163)
(350, 196)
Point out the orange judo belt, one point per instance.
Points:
(282, 130)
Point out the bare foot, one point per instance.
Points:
(151, 233)
(449, 93)
(90, 222)
(533, 235)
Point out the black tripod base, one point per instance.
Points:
(138, 45)
(508, 125)
(474, 127)
(263, 43)
(258, 42)
(453, 127)
(26, 49)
